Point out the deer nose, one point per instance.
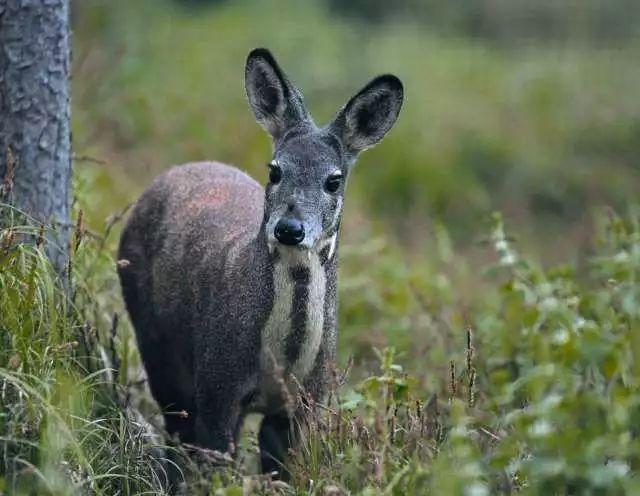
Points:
(289, 231)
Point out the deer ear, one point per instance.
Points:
(276, 103)
(370, 114)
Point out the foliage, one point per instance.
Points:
(547, 400)
(541, 396)
(63, 429)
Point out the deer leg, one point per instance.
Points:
(216, 430)
(220, 412)
(275, 438)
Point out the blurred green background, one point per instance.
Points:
(530, 108)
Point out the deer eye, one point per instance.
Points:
(275, 173)
(332, 184)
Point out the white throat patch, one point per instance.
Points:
(279, 325)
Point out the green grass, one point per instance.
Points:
(63, 422)
(533, 388)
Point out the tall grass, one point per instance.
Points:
(542, 396)
(537, 392)
(64, 427)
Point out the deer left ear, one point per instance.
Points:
(370, 114)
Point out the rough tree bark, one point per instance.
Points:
(34, 113)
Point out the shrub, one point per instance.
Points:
(541, 396)
(545, 400)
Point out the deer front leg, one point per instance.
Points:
(279, 431)
(275, 438)
(216, 429)
(221, 394)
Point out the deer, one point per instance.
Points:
(231, 287)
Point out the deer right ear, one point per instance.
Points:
(276, 103)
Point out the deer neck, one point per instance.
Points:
(293, 332)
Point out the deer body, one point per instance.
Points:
(231, 287)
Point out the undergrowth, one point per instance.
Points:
(540, 396)
(543, 398)
(64, 427)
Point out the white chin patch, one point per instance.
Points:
(302, 252)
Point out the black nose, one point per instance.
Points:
(289, 231)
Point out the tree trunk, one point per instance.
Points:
(35, 138)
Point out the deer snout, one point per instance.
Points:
(289, 231)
